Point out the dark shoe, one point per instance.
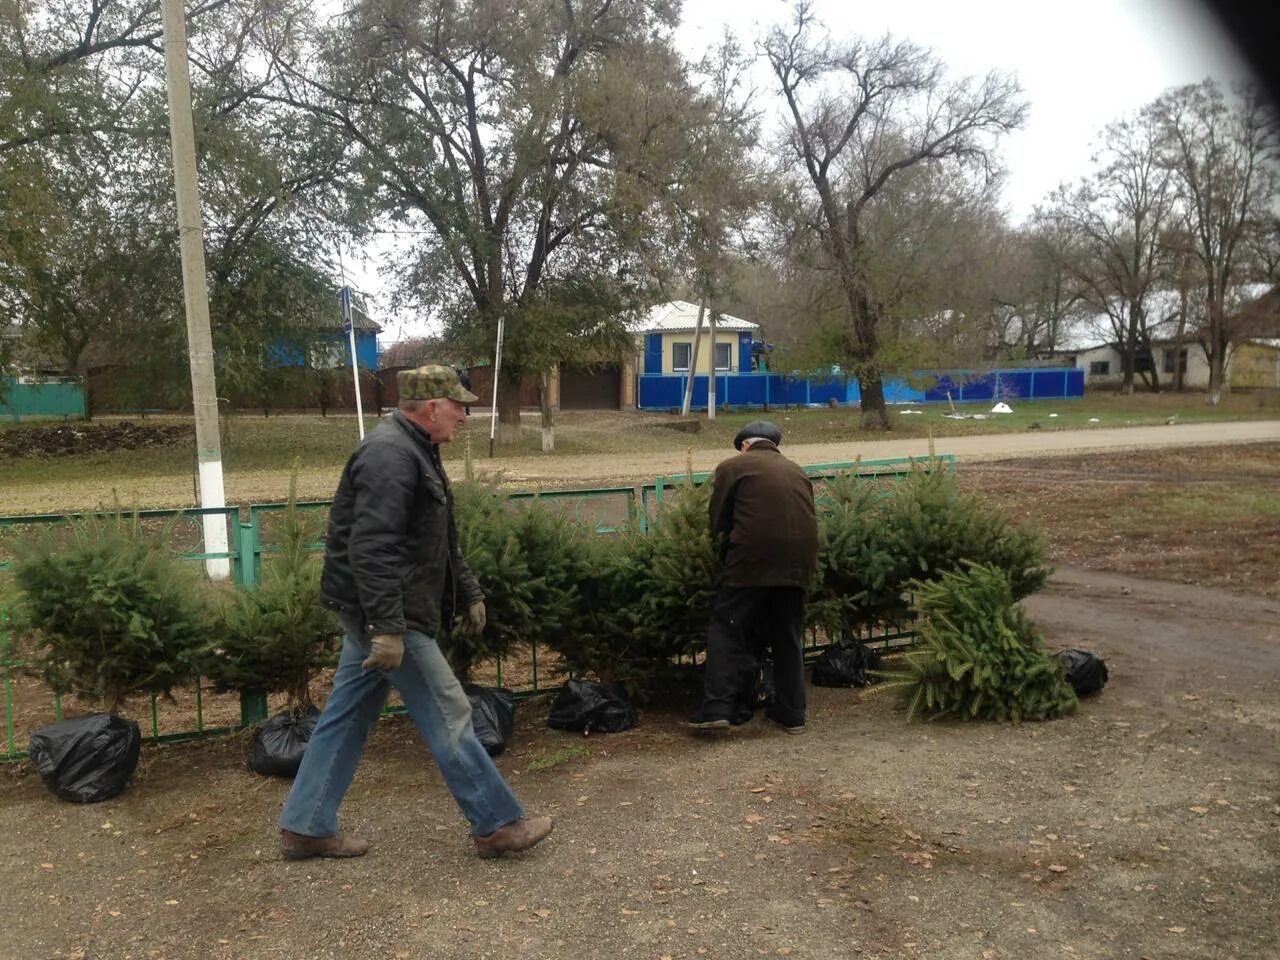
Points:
(695, 725)
(297, 846)
(792, 728)
(515, 836)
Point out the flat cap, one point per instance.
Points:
(762, 429)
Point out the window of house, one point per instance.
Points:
(326, 355)
(724, 356)
(1182, 361)
(680, 355)
(1142, 362)
(1099, 368)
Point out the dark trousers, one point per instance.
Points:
(745, 622)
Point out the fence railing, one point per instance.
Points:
(607, 508)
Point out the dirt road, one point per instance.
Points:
(997, 446)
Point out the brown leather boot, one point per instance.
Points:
(515, 836)
(297, 846)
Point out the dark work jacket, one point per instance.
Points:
(762, 504)
(391, 553)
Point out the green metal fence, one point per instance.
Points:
(248, 529)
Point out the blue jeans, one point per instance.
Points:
(440, 710)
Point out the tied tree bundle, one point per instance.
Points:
(111, 611)
(493, 541)
(275, 639)
(979, 655)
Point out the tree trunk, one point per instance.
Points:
(1130, 362)
(874, 414)
(1178, 372)
(1217, 354)
(508, 407)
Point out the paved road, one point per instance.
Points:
(996, 446)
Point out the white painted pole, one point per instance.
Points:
(349, 321)
(204, 393)
(497, 368)
(348, 318)
(693, 360)
(711, 380)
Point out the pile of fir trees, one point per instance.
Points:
(109, 614)
(628, 607)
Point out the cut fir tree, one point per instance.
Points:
(979, 656)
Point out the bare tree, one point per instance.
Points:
(860, 115)
(1041, 297)
(1119, 215)
(1223, 155)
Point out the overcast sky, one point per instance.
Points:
(1081, 64)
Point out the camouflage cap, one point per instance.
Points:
(431, 383)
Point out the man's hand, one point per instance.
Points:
(388, 651)
(476, 618)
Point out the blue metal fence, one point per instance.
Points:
(658, 391)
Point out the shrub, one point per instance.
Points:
(278, 636)
(858, 579)
(112, 613)
(606, 636)
(678, 568)
(489, 540)
(934, 528)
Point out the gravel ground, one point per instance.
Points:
(1147, 825)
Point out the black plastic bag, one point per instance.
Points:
(278, 743)
(586, 706)
(87, 759)
(845, 664)
(493, 716)
(1086, 672)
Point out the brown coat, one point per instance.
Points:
(762, 504)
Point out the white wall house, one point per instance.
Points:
(1104, 365)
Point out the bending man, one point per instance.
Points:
(762, 508)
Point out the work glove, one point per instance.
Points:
(388, 651)
(476, 618)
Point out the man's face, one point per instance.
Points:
(444, 417)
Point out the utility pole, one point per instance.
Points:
(693, 360)
(711, 380)
(204, 393)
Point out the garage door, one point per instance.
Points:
(590, 388)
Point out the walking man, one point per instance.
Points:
(762, 508)
(391, 556)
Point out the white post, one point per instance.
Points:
(204, 394)
(711, 380)
(348, 321)
(693, 360)
(497, 368)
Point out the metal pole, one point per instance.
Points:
(348, 321)
(497, 368)
(204, 394)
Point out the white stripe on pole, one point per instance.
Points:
(497, 366)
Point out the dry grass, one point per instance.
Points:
(1206, 515)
